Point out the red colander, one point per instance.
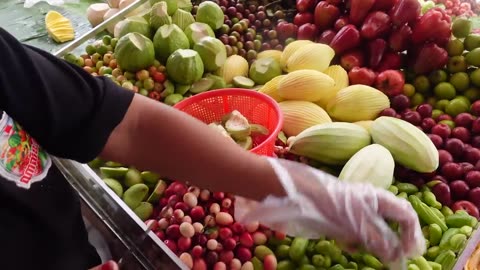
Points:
(258, 108)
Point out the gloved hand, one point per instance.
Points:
(353, 214)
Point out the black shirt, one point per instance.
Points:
(55, 107)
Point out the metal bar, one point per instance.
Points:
(99, 28)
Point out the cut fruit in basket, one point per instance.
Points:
(58, 27)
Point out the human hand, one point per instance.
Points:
(353, 214)
(110, 265)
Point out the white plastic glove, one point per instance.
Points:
(352, 214)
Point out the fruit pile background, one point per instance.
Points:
(335, 67)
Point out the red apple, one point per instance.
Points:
(326, 37)
(303, 18)
(362, 75)
(352, 59)
(459, 189)
(305, 5)
(469, 207)
(474, 196)
(325, 15)
(390, 82)
(307, 31)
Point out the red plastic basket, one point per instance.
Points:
(258, 108)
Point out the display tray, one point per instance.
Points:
(142, 249)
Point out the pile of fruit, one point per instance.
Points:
(377, 91)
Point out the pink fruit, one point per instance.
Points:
(307, 31)
(225, 233)
(425, 110)
(475, 108)
(171, 245)
(270, 262)
(197, 213)
(464, 119)
(390, 82)
(400, 103)
(428, 124)
(412, 117)
(226, 256)
(472, 178)
(246, 239)
(197, 251)
(325, 15)
(173, 231)
(390, 61)
(437, 141)
(220, 266)
(200, 239)
(211, 257)
(363, 76)
(229, 244)
(303, 18)
(352, 59)
(474, 196)
(455, 147)
(184, 244)
(441, 130)
(442, 192)
(444, 157)
(388, 112)
(459, 189)
(476, 126)
(237, 228)
(467, 167)
(461, 133)
(326, 37)
(199, 264)
(243, 254)
(340, 23)
(452, 171)
(472, 155)
(467, 206)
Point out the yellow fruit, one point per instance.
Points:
(58, 27)
(307, 85)
(275, 54)
(290, 49)
(300, 115)
(372, 164)
(340, 76)
(367, 124)
(271, 88)
(409, 146)
(311, 56)
(235, 65)
(357, 103)
(330, 143)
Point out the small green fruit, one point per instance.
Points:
(461, 27)
(445, 90)
(471, 42)
(472, 94)
(417, 99)
(473, 57)
(133, 177)
(436, 113)
(455, 47)
(456, 106)
(144, 210)
(457, 64)
(475, 77)
(460, 80)
(438, 76)
(421, 84)
(134, 195)
(115, 186)
(441, 104)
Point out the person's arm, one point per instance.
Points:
(72, 115)
(158, 137)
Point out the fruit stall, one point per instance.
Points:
(385, 92)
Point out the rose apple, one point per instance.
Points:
(390, 82)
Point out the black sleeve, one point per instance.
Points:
(69, 112)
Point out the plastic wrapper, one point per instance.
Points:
(30, 3)
(355, 215)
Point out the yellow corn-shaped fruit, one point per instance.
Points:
(300, 115)
(311, 56)
(331, 143)
(365, 124)
(275, 54)
(357, 103)
(235, 65)
(291, 49)
(307, 85)
(372, 164)
(409, 146)
(340, 76)
(58, 27)
(271, 88)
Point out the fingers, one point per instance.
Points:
(110, 265)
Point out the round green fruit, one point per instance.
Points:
(471, 42)
(438, 76)
(422, 84)
(461, 27)
(455, 47)
(172, 5)
(441, 104)
(185, 66)
(167, 39)
(265, 69)
(457, 64)
(473, 57)
(132, 25)
(456, 106)
(134, 52)
(210, 13)
(445, 90)
(475, 77)
(460, 80)
(417, 99)
(212, 51)
(472, 93)
(196, 31)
